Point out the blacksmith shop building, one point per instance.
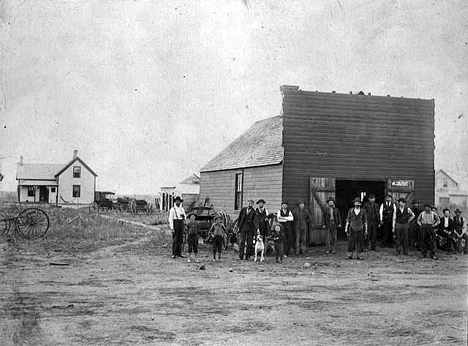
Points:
(327, 145)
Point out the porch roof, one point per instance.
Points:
(37, 183)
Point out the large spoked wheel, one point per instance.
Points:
(32, 223)
(93, 207)
(4, 224)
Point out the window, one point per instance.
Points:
(238, 196)
(444, 182)
(77, 172)
(52, 189)
(76, 191)
(31, 191)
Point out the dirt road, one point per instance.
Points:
(135, 294)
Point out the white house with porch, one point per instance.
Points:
(73, 182)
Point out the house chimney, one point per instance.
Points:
(21, 160)
(284, 88)
(75, 154)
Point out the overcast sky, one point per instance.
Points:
(149, 91)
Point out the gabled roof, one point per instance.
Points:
(72, 162)
(447, 174)
(260, 145)
(36, 171)
(193, 179)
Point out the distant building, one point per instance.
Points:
(449, 189)
(188, 189)
(74, 182)
(327, 145)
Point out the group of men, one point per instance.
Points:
(400, 227)
(294, 225)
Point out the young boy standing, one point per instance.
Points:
(217, 231)
(277, 235)
(192, 238)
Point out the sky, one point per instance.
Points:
(149, 91)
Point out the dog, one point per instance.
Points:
(259, 247)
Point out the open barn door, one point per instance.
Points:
(321, 189)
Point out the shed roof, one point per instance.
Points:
(37, 171)
(260, 145)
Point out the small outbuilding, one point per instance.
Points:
(327, 145)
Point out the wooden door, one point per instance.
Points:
(321, 189)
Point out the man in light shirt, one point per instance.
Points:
(286, 218)
(427, 221)
(176, 223)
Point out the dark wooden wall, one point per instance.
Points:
(356, 137)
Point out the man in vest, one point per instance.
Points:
(373, 219)
(459, 230)
(404, 216)
(331, 222)
(286, 219)
(302, 218)
(415, 237)
(356, 229)
(427, 221)
(261, 219)
(177, 224)
(246, 230)
(387, 214)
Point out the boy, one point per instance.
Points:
(356, 228)
(192, 238)
(277, 235)
(217, 231)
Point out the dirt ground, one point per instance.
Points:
(135, 294)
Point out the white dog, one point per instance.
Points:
(259, 247)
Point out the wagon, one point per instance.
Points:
(31, 223)
(102, 201)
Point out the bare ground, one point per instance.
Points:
(134, 293)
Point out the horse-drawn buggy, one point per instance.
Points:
(103, 201)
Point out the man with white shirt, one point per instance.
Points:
(286, 218)
(387, 221)
(427, 221)
(176, 223)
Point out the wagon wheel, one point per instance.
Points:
(4, 225)
(93, 207)
(32, 223)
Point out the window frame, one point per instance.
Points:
(77, 174)
(76, 191)
(238, 190)
(31, 191)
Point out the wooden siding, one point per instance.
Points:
(357, 137)
(258, 182)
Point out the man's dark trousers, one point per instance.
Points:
(387, 239)
(246, 235)
(177, 237)
(427, 237)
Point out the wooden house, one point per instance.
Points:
(327, 145)
(74, 182)
(449, 189)
(188, 189)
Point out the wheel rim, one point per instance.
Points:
(4, 225)
(32, 223)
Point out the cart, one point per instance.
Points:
(102, 202)
(31, 223)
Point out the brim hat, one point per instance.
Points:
(371, 195)
(434, 207)
(250, 200)
(284, 202)
(357, 200)
(178, 199)
(458, 210)
(402, 200)
(388, 195)
(261, 200)
(190, 214)
(415, 202)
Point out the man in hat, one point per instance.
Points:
(177, 223)
(302, 219)
(246, 226)
(331, 222)
(261, 219)
(286, 219)
(356, 228)
(414, 236)
(373, 219)
(387, 214)
(404, 215)
(427, 221)
(445, 231)
(459, 230)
